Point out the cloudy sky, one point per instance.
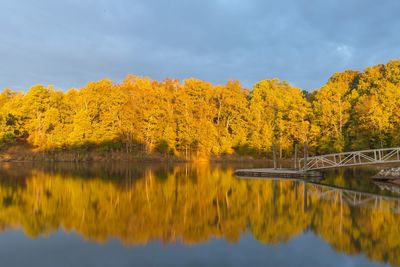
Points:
(68, 43)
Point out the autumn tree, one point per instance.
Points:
(231, 117)
(278, 114)
(331, 110)
(375, 116)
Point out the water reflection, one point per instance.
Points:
(192, 204)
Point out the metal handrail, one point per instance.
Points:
(352, 158)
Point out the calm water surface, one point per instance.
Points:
(193, 215)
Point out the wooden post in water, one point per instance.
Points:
(274, 155)
(295, 156)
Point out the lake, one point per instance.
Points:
(193, 215)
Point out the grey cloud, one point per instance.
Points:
(68, 43)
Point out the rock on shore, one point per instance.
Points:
(389, 175)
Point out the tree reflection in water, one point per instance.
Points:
(191, 204)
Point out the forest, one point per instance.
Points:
(197, 119)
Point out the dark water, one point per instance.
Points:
(193, 215)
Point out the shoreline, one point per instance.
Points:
(23, 154)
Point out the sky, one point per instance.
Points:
(69, 43)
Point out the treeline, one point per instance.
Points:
(194, 118)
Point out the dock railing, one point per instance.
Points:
(353, 158)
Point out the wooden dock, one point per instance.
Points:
(277, 173)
